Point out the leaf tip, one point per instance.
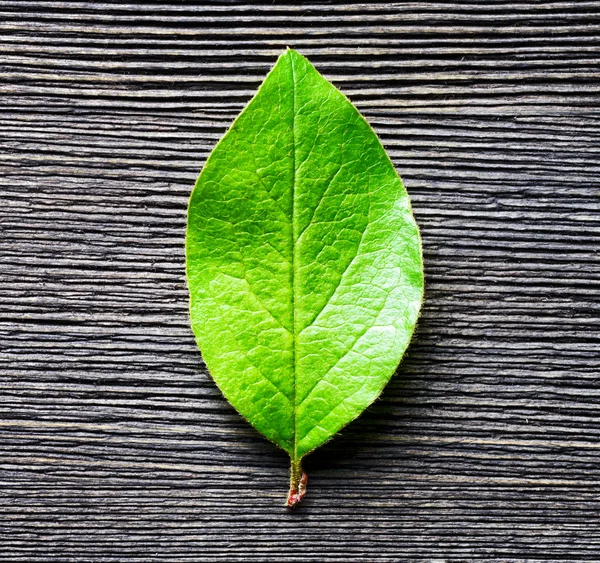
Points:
(292, 53)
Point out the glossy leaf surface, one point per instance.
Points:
(303, 261)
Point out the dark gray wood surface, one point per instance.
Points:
(115, 445)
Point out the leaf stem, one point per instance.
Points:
(298, 480)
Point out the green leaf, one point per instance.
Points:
(303, 261)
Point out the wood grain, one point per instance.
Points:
(115, 444)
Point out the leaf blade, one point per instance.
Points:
(303, 260)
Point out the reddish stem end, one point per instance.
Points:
(297, 491)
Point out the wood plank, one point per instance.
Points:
(116, 445)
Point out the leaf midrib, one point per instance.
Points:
(293, 242)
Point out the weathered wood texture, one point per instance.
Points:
(114, 443)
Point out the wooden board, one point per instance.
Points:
(115, 444)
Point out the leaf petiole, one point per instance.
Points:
(298, 480)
